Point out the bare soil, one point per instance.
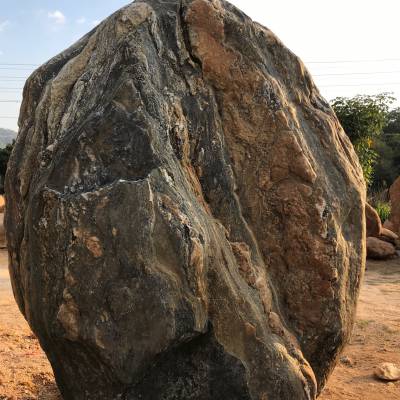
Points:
(25, 373)
(376, 338)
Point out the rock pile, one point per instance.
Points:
(394, 222)
(185, 215)
(382, 242)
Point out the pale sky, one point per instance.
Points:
(350, 46)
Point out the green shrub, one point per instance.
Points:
(363, 119)
(383, 209)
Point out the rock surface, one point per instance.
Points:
(388, 236)
(2, 204)
(388, 225)
(185, 215)
(394, 194)
(2, 233)
(373, 221)
(378, 249)
(387, 372)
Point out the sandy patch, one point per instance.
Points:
(376, 339)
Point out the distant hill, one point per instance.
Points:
(6, 137)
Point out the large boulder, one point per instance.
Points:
(185, 215)
(2, 233)
(373, 221)
(394, 194)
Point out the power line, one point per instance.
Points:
(16, 69)
(363, 84)
(26, 65)
(360, 73)
(10, 101)
(353, 61)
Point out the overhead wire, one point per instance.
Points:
(359, 73)
(362, 84)
(20, 64)
(353, 61)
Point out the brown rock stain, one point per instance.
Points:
(182, 143)
(92, 243)
(68, 315)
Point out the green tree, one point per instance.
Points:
(387, 168)
(387, 146)
(364, 118)
(393, 122)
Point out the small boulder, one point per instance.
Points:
(374, 224)
(345, 360)
(387, 372)
(379, 249)
(388, 236)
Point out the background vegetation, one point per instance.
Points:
(374, 130)
(364, 119)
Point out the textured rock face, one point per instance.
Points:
(389, 235)
(395, 204)
(373, 221)
(388, 225)
(2, 233)
(380, 249)
(185, 215)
